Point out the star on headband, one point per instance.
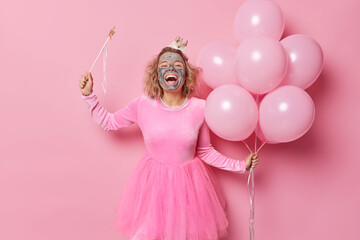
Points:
(179, 44)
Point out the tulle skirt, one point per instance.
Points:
(172, 202)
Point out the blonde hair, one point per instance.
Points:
(152, 86)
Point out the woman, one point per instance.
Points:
(171, 194)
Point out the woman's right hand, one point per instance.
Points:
(86, 84)
(251, 161)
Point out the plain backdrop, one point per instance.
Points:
(61, 176)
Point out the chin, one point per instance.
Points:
(173, 91)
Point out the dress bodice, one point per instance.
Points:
(171, 134)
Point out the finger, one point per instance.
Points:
(82, 80)
(88, 74)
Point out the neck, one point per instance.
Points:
(173, 99)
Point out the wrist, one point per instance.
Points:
(247, 168)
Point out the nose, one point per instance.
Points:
(171, 68)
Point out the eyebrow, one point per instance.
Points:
(176, 61)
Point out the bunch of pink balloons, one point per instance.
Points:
(260, 66)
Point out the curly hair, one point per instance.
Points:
(152, 86)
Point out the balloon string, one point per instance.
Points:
(251, 192)
(261, 146)
(247, 146)
(251, 189)
(251, 183)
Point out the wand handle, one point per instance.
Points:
(99, 54)
(111, 33)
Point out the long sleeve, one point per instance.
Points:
(208, 154)
(111, 121)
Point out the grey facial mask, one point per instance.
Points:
(179, 72)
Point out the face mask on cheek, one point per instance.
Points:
(171, 78)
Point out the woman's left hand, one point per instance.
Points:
(251, 161)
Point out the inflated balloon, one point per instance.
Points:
(231, 112)
(286, 114)
(261, 64)
(305, 60)
(258, 18)
(261, 136)
(217, 61)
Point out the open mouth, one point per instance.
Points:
(171, 78)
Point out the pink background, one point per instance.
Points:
(61, 175)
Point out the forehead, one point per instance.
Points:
(170, 56)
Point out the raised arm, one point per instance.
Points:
(208, 154)
(111, 121)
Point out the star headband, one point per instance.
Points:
(179, 44)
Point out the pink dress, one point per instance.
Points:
(172, 194)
